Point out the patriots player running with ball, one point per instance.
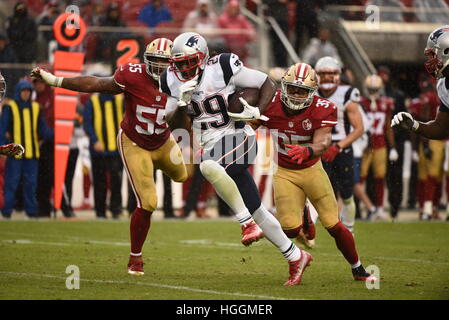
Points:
(437, 64)
(201, 87)
(144, 140)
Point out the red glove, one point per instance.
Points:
(12, 149)
(330, 154)
(299, 153)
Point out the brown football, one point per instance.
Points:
(251, 96)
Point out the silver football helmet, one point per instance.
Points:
(2, 87)
(189, 55)
(437, 51)
(328, 70)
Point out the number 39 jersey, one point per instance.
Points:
(208, 107)
(297, 129)
(144, 119)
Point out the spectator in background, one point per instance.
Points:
(16, 126)
(106, 40)
(307, 20)
(320, 47)
(279, 11)
(395, 168)
(22, 34)
(154, 13)
(202, 20)
(50, 14)
(45, 179)
(103, 114)
(7, 55)
(232, 19)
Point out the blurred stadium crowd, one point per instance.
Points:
(27, 40)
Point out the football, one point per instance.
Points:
(251, 95)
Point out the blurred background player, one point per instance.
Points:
(145, 141)
(338, 159)
(302, 122)
(201, 86)
(379, 109)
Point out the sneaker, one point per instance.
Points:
(297, 267)
(360, 274)
(251, 232)
(135, 266)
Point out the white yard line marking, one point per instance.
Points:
(157, 285)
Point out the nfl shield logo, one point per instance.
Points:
(306, 124)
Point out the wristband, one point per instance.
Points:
(310, 152)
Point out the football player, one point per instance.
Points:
(301, 122)
(379, 109)
(145, 142)
(201, 87)
(437, 53)
(10, 149)
(338, 159)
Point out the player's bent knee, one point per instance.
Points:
(150, 203)
(211, 170)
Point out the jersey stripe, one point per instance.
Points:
(225, 63)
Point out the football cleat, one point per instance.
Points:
(297, 267)
(135, 266)
(360, 274)
(251, 232)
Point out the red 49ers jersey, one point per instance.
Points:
(378, 115)
(144, 119)
(297, 129)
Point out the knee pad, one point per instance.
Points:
(211, 170)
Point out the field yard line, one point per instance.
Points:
(157, 285)
(81, 242)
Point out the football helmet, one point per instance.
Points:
(437, 51)
(156, 57)
(298, 86)
(328, 70)
(373, 86)
(189, 55)
(2, 87)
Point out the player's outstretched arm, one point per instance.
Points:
(80, 84)
(437, 129)
(356, 121)
(267, 92)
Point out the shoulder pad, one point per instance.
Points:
(230, 64)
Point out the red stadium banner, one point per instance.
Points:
(69, 30)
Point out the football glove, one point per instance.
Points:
(186, 92)
(249, 113)
(405, 120)
(298, 153)
(330, 154)
(47, 77)
(12, 149)
(393, 155)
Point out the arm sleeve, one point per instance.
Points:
(249, 78)
(88, 123)
(5, 122)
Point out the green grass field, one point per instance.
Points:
(204, 260)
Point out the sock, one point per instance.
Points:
(226, 189)
(348, 213)
(345, 242)
(379, 189)
(273, 232)
(139, 226)
(420, 192)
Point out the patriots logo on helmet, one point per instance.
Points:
(193, 42)
(434, 36)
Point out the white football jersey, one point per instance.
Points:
(443, 91)
(340, 98)
(208, 107)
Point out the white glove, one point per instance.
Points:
(248, 113)
(49, 78)
(186, 91)
(393, 156)
(405, 120)
(415, 156)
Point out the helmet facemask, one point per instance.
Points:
(297, 96)
(187, 67)
(328, 79)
